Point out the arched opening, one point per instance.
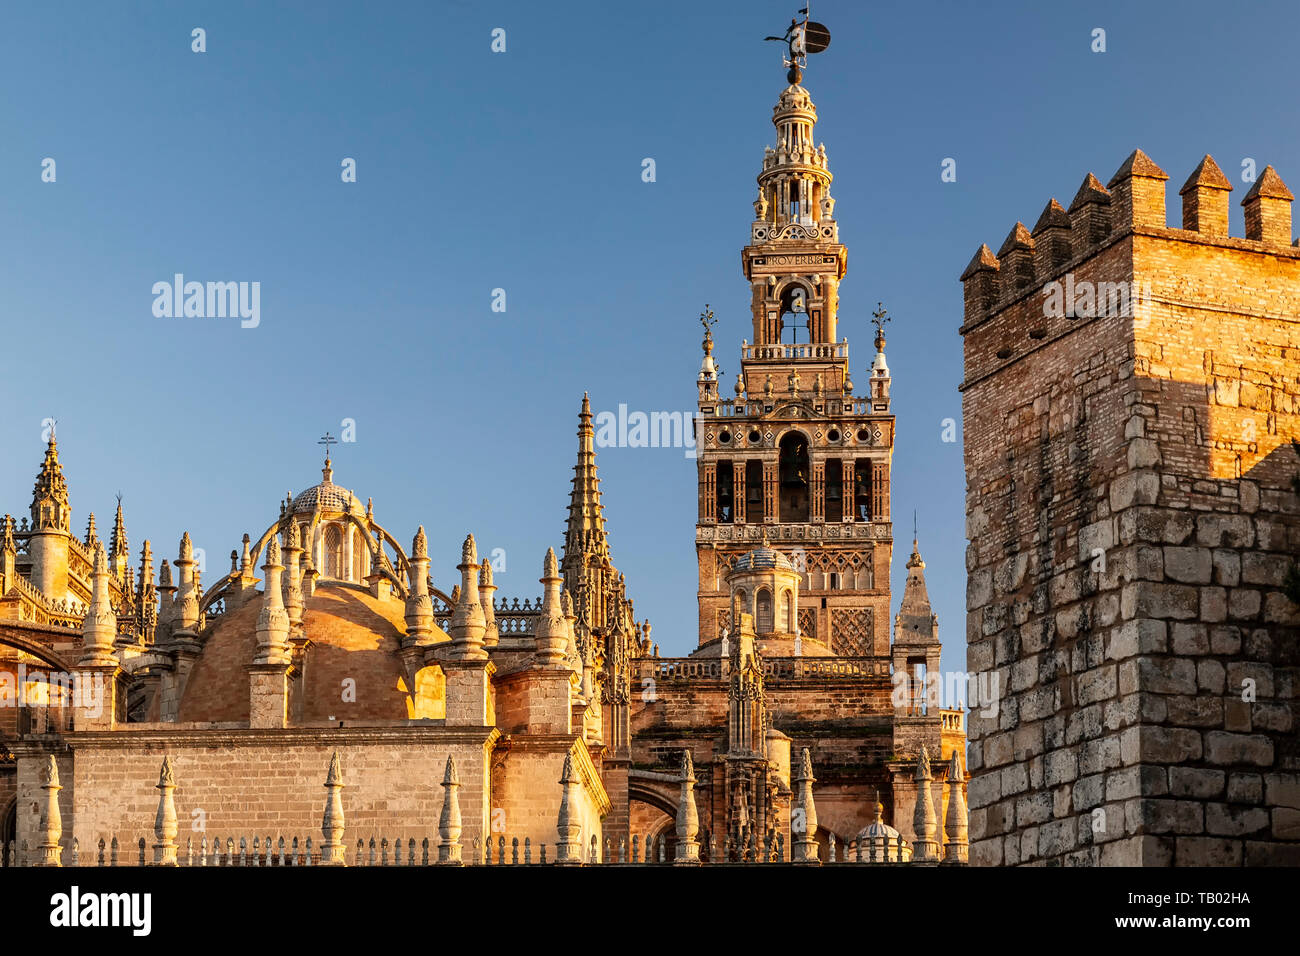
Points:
(787, 611)
(741, 606)
(794, 477)
(334, 552)
(754, 491)
(834, 490)
(862, 489)
(8, 831)
(725, 503)
(360, 550)
(763, 608)
(793, 324)
(652, 819)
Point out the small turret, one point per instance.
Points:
(273, 620)
(293, 601)
(99, 628)
(146, 613)
(980, 284)
(1205, 199)
(688, 818)
(50, 508)
(925, 848)
(51, 520)
(1017, 257)
(956, 824)
(467, 622)
(486, 592)
(1090, 214)
(419, 605)
(1138, 193)
(1051, 237)
(119, 552)
(187, 597)
(1268, 209)
(552, 632)
(8, 555)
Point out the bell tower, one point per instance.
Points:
(796, 456)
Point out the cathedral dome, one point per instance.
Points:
(355, 637)
(327, 496)
(763, 558)
(878, 841)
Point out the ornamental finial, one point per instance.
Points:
(708, 321)
(878, 319)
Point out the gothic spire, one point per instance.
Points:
(117, 545)
(50, 509)
(916, 622)
(585, 531)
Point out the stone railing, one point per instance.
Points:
(774, 668)
(824, 668)
(448, 846)
(804, 350)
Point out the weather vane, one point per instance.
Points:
(707, 320)
(878, 319)
(802, 38)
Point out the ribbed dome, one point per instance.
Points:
(763, 558)
(878, 841)
(329, 496)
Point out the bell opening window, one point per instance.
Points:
(862, 489)
(793, 472)
(793, 324)
(725, 497)
(754, 489)
(834, 490)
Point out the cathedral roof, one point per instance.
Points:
(353, 635)
(327, 496)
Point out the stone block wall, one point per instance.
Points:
(1130, 518)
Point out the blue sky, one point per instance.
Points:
(522, 171)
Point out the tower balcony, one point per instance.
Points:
(785, 351)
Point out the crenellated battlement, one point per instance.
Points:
(1099, 216)
(1028, 286)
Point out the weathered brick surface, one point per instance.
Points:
(1130, 517)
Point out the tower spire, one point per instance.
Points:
(119, 552)
(585, 530)
(916, 622)
(586, 545)
(50, 509)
